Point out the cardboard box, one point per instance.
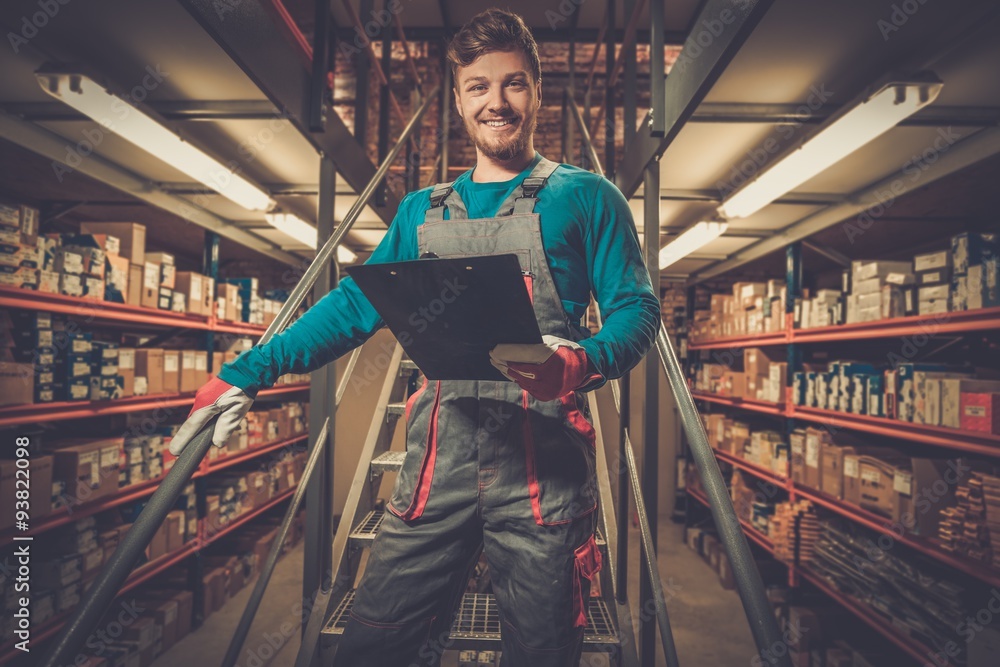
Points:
(979, 404)
(200, 367)
(192, 285)
(39, 469)
(150, 294)
(171, 371)
(131, 237)
(164, 614)
(815, 440)
(832, 472)
(189, 376)
(126, 370)
(88, 467)
(135, 284)
(17, 383)
(149, 364)
(175, 530)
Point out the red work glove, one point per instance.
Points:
(216, 397)
(547, 371)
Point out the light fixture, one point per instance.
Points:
(119, 114)
(842, 135)
(304, 233)
(691, 239)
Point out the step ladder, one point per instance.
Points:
(476, 624)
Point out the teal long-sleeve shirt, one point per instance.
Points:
(590, 245)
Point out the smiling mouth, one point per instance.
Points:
(500, 122)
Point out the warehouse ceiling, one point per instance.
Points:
(800, 64)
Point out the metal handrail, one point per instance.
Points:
(253, 604)
(758, 611)
(595, 161)
(101, 594)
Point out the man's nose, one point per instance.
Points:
(497, 101)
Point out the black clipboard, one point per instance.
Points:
(449, 313)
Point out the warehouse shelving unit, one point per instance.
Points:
(66, 514)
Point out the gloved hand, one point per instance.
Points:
(547, 371)
(216, 397)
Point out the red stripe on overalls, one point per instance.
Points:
(419, 501)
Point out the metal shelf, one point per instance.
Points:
(940, 436)
(247, 516)
(907, 644)
(760, 538)
(108, 311)
(754, 469)
(879, 524)
(755, 340)
(139, 576)
(229, 460)
(28, 413)
(957, 322)
(962, 321)
(135, 492)
(870, 520)
(984, 444)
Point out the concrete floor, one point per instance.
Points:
(708, 623)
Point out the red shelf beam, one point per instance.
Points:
(28, 413)
(737, 342)
(908, 645)
(108, 311)
(777, 409)
(965, 321)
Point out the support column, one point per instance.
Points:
(651, 412)
(319, 530)
(362, 70)
(609, 95)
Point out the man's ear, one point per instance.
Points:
(538, 95)
(458, 103)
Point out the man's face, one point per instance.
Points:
(498, 101)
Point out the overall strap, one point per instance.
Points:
(438, 196)
(524, 197)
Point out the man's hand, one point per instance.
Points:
(214, 398)
(547, 371)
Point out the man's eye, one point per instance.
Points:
(517, 83)
(475, 88)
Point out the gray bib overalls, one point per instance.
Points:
(487, 464)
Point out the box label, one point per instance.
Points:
(850, 467)
(902, 482)
(975, 410)
(170, 363)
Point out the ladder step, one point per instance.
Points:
(599, 539)
(407, 366)
(478, 622)
(388, 462)
(364, 533)
(397, 409)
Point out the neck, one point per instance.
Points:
(489, 170)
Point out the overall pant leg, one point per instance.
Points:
(420, 559)
(538, 535)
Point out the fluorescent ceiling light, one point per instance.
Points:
(129, 122)
(691, 239)
(304, 233)
(842, 136)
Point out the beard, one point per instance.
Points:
(502, 148)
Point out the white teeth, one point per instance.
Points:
(498, 123)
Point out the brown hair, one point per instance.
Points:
(490, 31)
